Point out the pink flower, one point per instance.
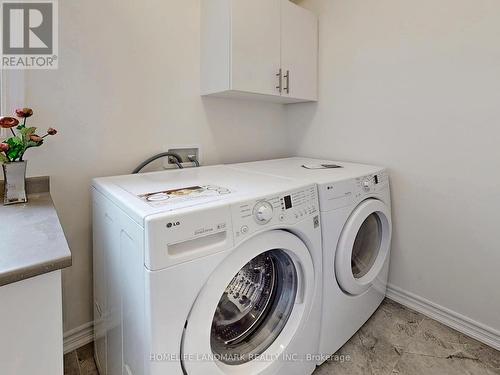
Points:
(24, 112)
(8, 122)
(35, 138)
(51, 131)
(4, 147)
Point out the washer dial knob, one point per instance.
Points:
(366, 184)
(263, 212)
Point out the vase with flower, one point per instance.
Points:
(12, 150)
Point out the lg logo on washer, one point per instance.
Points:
(173, 224)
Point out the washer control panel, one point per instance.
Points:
(284, 209)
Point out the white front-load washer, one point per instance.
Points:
(206, 271)
(356, 231)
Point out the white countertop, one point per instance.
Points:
(32, 241)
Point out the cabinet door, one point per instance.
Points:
(255, 44)
(299, 51)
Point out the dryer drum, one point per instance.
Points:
(366, 246)
(254, 308)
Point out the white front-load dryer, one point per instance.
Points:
(356, 231)
(206, 271)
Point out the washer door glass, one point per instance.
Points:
(254, 308)
(366, 246)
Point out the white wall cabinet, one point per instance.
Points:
(264, 49)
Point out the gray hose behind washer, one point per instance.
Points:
(176, 159)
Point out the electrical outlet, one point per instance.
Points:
(184, 153)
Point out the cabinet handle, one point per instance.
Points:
(287, 76)
(280, 81)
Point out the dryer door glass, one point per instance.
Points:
(254, 308)
(366, 246)
(363, 248)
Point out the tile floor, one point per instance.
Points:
(80, 361)
(395, 340)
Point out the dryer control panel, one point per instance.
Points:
(372, 183)
(283, 209)
(345, 193)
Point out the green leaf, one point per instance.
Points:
(3, 158)
(33, 144)
(16, 148)
(27, 131)
(14, 141)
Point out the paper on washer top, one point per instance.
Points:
(321, 166)
(185, 197)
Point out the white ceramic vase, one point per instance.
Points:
(14, 174)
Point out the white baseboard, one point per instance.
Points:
(78, 337)
(463, 324)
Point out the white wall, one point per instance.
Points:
(415, 86)
(127, 85)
